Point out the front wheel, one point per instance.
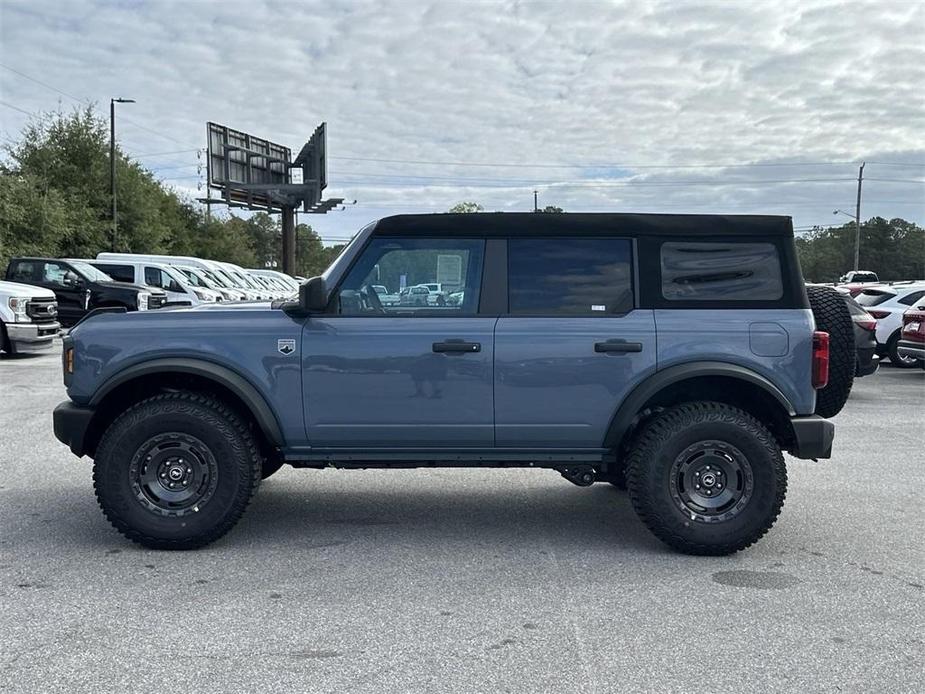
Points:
(176, 471)
(706, 478)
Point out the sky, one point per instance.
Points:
(644, 106)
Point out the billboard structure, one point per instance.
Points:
(257, 174)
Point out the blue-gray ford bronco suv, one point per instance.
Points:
(675, 356)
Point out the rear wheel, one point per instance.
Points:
(176, 471)
(831, 314)
(706, 478)
(897, 359)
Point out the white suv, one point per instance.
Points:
(887, 303)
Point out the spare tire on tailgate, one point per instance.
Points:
(832, 316)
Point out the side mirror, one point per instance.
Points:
(313, 295)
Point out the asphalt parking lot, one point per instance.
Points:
(465, 580)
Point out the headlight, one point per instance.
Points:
(143, 301)
(203, 296)
(18, 307)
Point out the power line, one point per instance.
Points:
(87, 102)
(15, 108)
(593, 165)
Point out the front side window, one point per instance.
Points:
(720, 271)
(414, 276)
(570, 276)
(120, 273)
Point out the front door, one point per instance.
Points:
(403, 375)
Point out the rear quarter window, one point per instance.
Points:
(720, 271)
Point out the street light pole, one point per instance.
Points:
(857, 220)
(112, 164)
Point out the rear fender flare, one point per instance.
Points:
(626, 413)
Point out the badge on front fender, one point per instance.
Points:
(286, 347)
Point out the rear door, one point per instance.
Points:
(386, 377)
(572, 344)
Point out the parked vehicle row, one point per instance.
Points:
(134, 282)
(887, 303)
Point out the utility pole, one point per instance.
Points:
(857, 220)
(112, 164)
(536, 207)
(288, 239)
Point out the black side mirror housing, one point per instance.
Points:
(313, 295)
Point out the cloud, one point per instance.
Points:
(596, 92)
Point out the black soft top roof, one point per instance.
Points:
(578, 224)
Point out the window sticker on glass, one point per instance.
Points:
(598, 307)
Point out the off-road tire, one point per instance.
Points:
(666, 438)
(226, 437)
(892, 351)
(5, 344)
(832, 316)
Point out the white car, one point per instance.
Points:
(859, 277)
(28, 318)
(180, 291)
(887, 303)
(385, 297)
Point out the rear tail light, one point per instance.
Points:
(879, 314)
(820, 359)
(868, 322)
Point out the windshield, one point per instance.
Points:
(215, 279)
(230, 279)
(247, 282)
(192, 277)
(864, 277)
(91, 273)
(176, 275)
(873, 297)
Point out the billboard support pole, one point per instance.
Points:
(288, 223)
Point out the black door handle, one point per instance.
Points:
(621, 346)
(457, 346)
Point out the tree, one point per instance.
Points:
(466, 208)
(894, 249)
(551, 209)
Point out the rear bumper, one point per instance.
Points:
(31, 337)
(812, 437)
(71, 423)
(908, 348)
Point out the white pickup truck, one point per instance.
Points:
(28, 318)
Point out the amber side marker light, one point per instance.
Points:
(69, 360)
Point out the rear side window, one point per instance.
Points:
(720, 271)
(873, 297)
(573, 276)
(911, 298)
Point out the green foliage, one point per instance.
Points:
(894, 249)
(55, 201)
(466, 208)
(551, 209)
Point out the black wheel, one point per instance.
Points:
(176, 471)
(5, 344)
(706, 478)
(896, 359)
(832, 316)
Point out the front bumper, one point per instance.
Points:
(31, 337)
(71, 423)
(908, 348)
(812, 437)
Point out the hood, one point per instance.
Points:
(19, 289)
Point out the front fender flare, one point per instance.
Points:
(642, 393)
(237, 384)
